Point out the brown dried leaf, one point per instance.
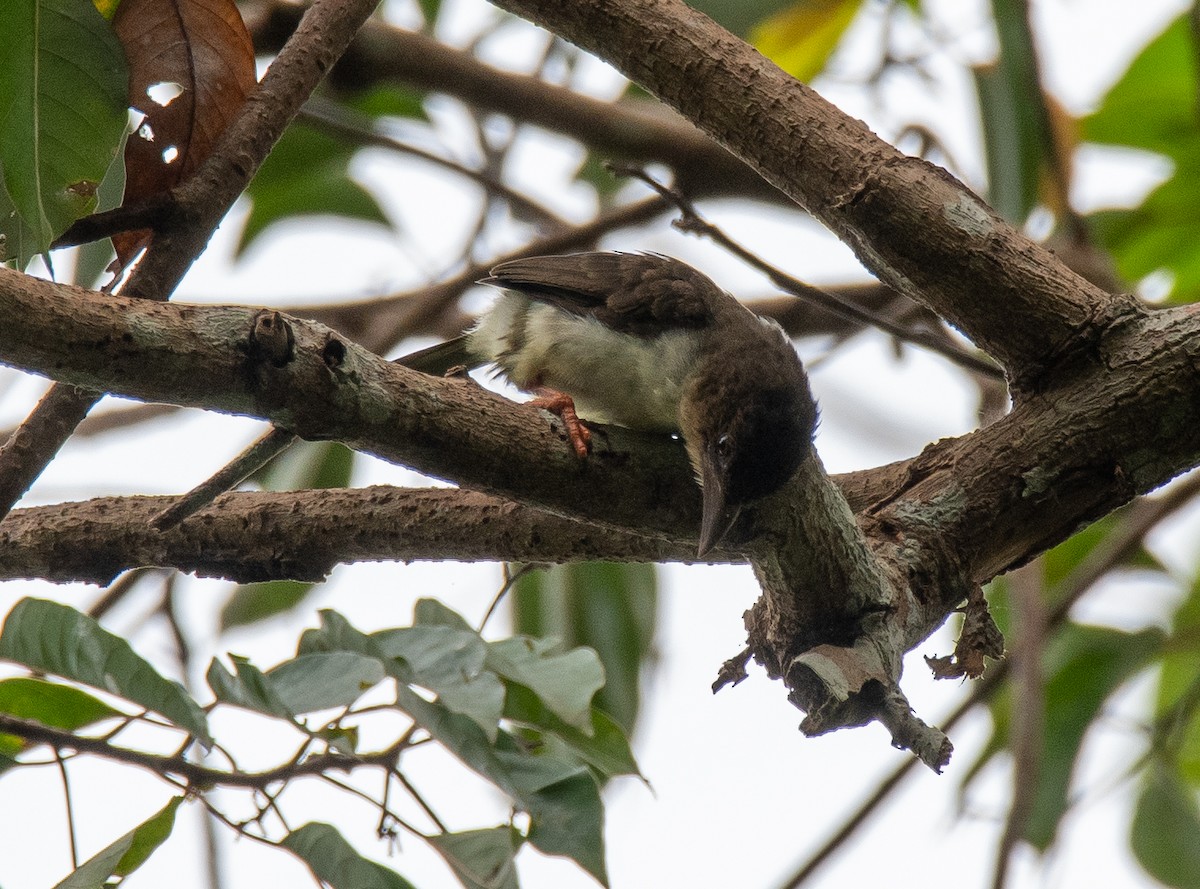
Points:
(198, 50)
(980, 638)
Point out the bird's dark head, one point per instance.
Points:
(748, 420)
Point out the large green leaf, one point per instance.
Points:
(125, 855)
(1166, 824)
(63, 100)
(317, 681)
(250, 603)
(55, 638)
(1159, 235)
(482, 859)
(606, 606)
(565, 682)
(1177, 709)
(1083, 666)
(801, 39)
(334, 861)
(604, 746)
(1015, 116)
(306, 173)
(58, 706)
(1154, 107)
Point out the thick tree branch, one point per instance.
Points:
(1013, 298)
(966, 508)
(302, 535)
(326, 387)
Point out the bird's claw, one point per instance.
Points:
(563, 406)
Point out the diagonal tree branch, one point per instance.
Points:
(1013, 298)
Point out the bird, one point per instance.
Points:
(645, 341)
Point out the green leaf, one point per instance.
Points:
(560, 795)
(604, 747)
(93, 258)
(253, 602)
(802, 38)
(307, 465)
(1159, 234)
(147, 837)
(55, 638)
(1066, 557)
(307, 683)
(433, 612)
(126, 854)
(390, 100)
(58, 706)
(740, 16)
(1084, 667)
(565, 682)
(334, 861)
(449, 662)
(1176, 711)
(1012, 142)
(248, 687)
(1166, 823)
(605, 606)
(430, 9)
(323, 681)
(1153, 105)
(55, 151)
(307, 173)
(481, 859)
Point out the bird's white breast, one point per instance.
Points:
(613, 377)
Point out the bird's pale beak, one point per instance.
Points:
(718, 517)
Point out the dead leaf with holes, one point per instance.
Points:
(191, 66)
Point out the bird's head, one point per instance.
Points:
(747, 420)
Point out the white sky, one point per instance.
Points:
(739, 796)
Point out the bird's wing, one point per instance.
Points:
(637, 293)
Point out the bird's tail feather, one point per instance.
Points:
(436, 360)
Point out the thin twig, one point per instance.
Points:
(194, 773)
(336, 118)
(264, 449)
(66, 785)
(510, 580)
(420, 800)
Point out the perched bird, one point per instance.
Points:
(647, 342)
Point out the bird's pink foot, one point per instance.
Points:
(563, 406)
